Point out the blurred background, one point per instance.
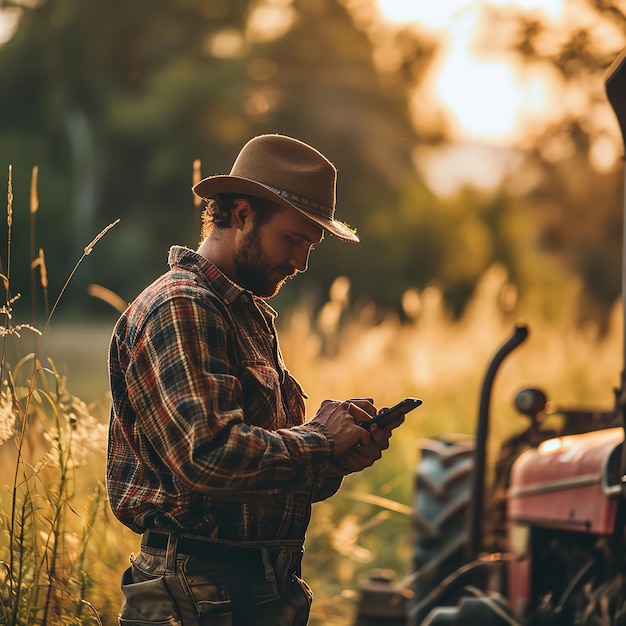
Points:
(478, 159)
(466, 133)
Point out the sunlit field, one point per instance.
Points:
(480, 123)
(345, 354)
(62, 550)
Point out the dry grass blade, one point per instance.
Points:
(9, 223)
(196, 179)
(385, 503)
(108, 296)
(10, 198)
(99, 236)
(34, 195)
(40, 262)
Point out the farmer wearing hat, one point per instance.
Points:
(210, 456)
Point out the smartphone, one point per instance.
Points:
(390, 415)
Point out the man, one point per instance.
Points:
(210, 457)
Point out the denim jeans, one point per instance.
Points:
(163, 587)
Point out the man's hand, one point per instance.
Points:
(355, 447)
(341, 419)
(362, 455)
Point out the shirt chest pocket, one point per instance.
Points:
(262, 395)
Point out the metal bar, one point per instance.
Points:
(475, 512)
(615, 84)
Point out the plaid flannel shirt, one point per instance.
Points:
(207, 431)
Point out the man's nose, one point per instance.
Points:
(300, 259)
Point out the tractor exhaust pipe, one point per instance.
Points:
(615, 83)
(475, 513)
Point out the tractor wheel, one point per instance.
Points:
(441, 501)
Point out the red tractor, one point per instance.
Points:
(544, 544)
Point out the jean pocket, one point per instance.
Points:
(146, 601)
(296, 603)
(264, 591)
(211, 593)
(209, 598)
(306, 590)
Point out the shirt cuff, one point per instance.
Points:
(311, 448)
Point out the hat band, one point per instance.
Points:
(319, 209)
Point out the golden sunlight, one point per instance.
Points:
(486, 99)
(9, 18)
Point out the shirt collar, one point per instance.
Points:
(229, 291)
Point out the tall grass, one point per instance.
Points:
(350, 351)
(48, 568)
(61, 550)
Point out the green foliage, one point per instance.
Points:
(115, 103)
(570, 178)
(118, 102)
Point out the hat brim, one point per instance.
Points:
(213, 185)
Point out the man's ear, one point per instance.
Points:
(240, 213)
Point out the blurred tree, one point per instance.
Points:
(570, 179)
(114, 102)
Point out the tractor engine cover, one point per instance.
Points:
(571, 483)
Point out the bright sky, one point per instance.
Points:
(490, 104)
(508, 96)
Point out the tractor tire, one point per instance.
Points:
(440, 530)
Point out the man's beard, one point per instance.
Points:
(255, 269)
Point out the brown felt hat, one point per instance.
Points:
(287, 171)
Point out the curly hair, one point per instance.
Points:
(217, 212)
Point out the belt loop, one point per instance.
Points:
(171, 552)
(270, 575)
(299, 562)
